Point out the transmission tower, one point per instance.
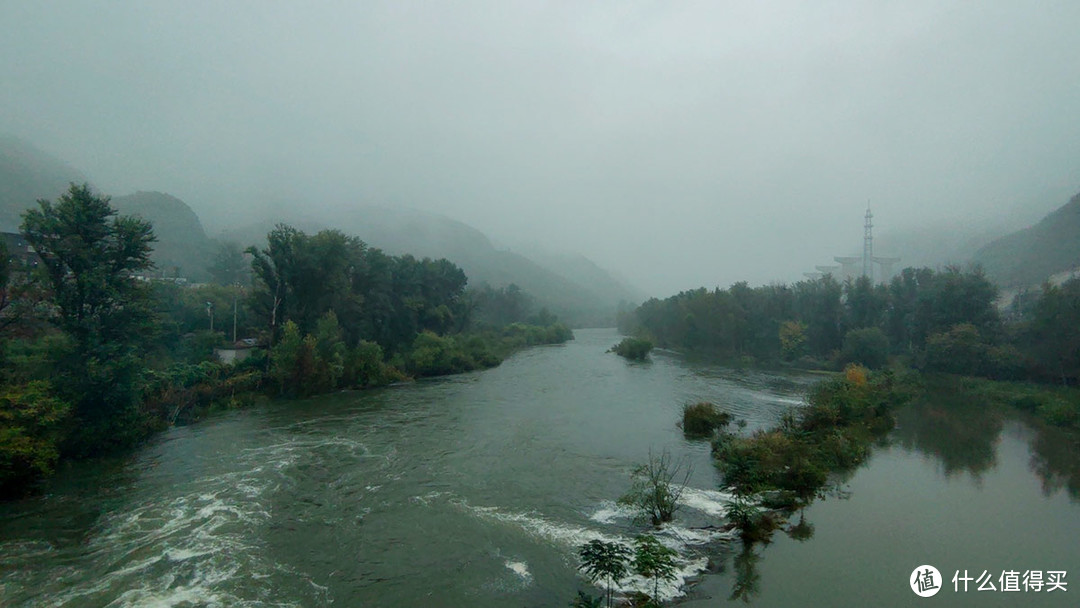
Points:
(868, 246)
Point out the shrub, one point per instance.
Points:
(365, 367)
(434, 355)
(635, 349)
(30, 424)
(702, 419)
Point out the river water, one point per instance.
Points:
(476, 490)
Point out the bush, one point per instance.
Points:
(1059, 412)
(635, 349)
(30, 425)
(702, 419)
(434, 355)
(365, 367)
(868, 346)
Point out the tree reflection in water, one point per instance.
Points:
(958, 432)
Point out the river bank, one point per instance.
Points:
(475, 490)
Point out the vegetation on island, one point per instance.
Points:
(787, 466)
(702, 419)
(634, 349)
(97, 353)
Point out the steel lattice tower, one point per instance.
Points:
(868, 246)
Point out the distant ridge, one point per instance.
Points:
(182, 247)
(26, 175)
(1030, 256)
(571, 286)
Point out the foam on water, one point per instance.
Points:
(611, 512)
(521, 569)
(709, 502)
(570, 537)
(194, 546)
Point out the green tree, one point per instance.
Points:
(90, 256)
(654, 561)
(792, 339)
(868, 346)
(329, 354)
(228, 267)
(292, 360)
(606, 562)
(1053, 333)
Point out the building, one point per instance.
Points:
(20, 253)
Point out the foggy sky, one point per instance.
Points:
(680, 144)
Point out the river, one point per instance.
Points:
(476, 490)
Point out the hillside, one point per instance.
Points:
(573, 288)
(26, 175)
(1030, 256)
(182, 248)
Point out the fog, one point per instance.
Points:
(679, 144)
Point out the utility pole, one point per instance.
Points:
(236, 292)
(210, 313)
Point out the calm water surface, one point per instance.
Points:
(476, 490)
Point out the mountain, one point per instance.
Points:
(26, 175)
(583, 271)
(939, 245)
(1030, 256)
(182, 247)
(572, 287)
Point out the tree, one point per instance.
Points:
(868, 346)
(605, 562)
(655, 491)
(229, 266)
(329, 353)
(792, 339)
(1053, 334)
(272, 267)
(655, 561)
(90, 258)
(292, 360)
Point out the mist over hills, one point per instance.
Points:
(26, 175)
(182, 247)
(571, 286)
(1030, 256)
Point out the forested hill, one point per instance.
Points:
(182, 247)
(574, 288)
(1030, 256)
(26, 175)
(570, 286)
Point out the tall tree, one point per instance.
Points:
(91, 258)
(229, 266)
